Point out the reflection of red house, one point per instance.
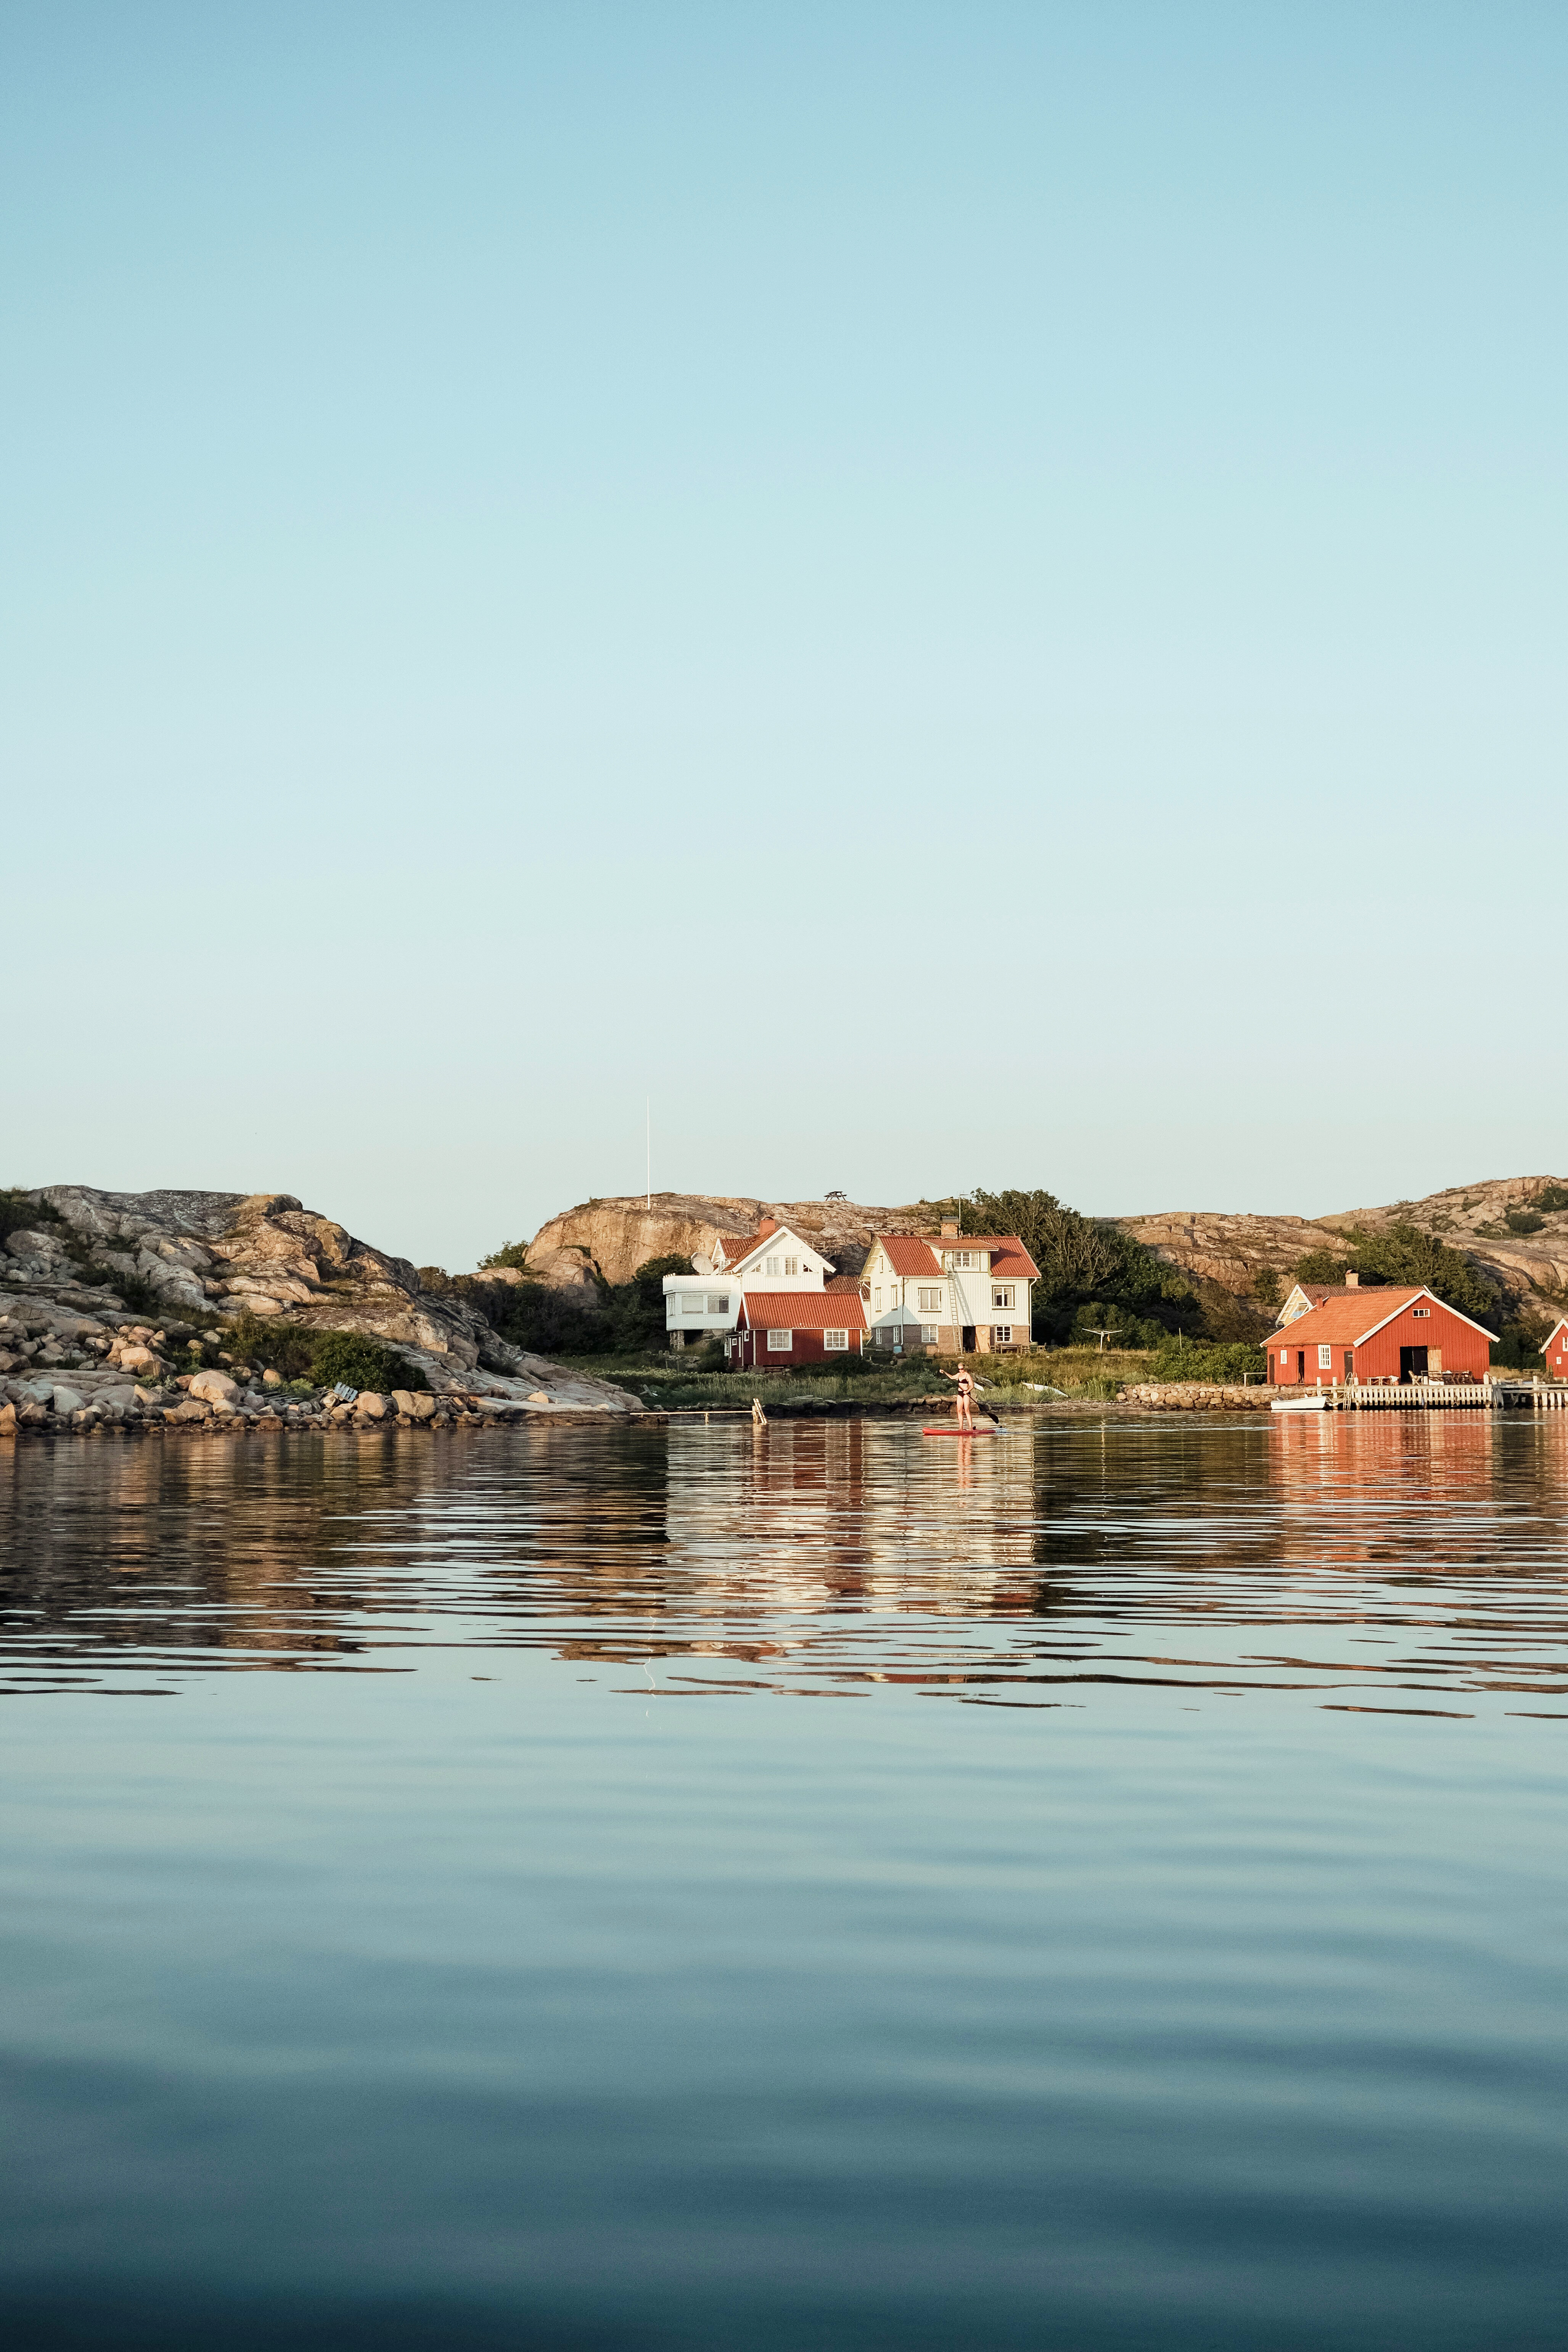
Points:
(1556, 1351)
(779, 1329)
(1378, 1335)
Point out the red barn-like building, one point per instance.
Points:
(778, 1329)
(1378, 1335)
(1556, 1351)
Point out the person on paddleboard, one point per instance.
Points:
(964, 1380)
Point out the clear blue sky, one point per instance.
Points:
(965, 595)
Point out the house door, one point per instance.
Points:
(1301, 1363)
(966, 1339)
(1413, 1363)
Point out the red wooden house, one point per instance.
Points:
(1556, 1351)
(1378, 1335)
(778, 1330)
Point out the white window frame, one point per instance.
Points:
(1002, 1335)
(718, 1302)
(1325, 1356)
(781, 1343)
(769, 1265)
(1284, 1355)
(691, 1302)
(930, 1335)
(835, 1342)
(791, 1265)
(929, 1301)
(1003, 1297)
(1418, 1313)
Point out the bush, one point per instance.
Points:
(509, 1254)
(18, 1214)
(321, 1357)
(1522, 1221)
(1552, 1197)
(1225, 1366)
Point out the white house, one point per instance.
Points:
(960, 1294)
(707, 1301)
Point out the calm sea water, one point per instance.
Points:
(1099, 1886)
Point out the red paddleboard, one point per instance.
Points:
(952, 1429)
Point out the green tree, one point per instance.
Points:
(1404, 1254)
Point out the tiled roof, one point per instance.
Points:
(738, 1246)
(1008, 1254)
(906, 1254)
(802, 1310)
(1346, 1317)
(912, 1254)
(842, 1282)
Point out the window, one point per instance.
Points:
(877, 1298)
(1417, 1312)
(929, 1302)
(691, 1302)
(961, 1258)
(1284, 1355)
(836, 1339)
(1002, 1296)
(1002, 1335)
(882, 1264)
(791, 1265)
(780, 1343)
(1325, 1357)
(771, 1265)
(928, 1335)
(719, 1302)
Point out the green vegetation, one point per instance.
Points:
(1404, 1254)
(319, 1358)
(1228, 1365)
(1094, 1277)
(1552, 1197)
(512, 1254)
(20, 1215)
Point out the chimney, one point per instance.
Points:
(767, 1224)
(1352, 1281)
(949, 1229)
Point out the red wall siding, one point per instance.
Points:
(1463, 1350)
(808, 1349)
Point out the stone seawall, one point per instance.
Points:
(1197, 1396)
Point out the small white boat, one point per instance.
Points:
(1299, 1405)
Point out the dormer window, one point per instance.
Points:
(791, 1265)
(769, 1265)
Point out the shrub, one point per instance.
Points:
(1226, 1366)
(1522, 1221)
(321, 1357)
(509, 1254)
(1552, 1197)
(18, 1214)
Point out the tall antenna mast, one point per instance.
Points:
(647, 1119)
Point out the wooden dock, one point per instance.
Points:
(1438, 1396)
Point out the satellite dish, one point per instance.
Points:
(702, 1264)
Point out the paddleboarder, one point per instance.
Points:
(963, 1382)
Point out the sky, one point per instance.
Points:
(925, 597)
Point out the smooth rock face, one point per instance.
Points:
(212, 1385)
(619, 1235)
(67, 1400)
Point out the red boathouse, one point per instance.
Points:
(778, 1329)
(1556, 1350)
(1378, 1335)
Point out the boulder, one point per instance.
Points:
(7, 1421)
(214, 1385)
(270, 1380)
(138, 1359)
(66, 1400)
(369, 1406)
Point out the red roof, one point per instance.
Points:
(802, 1310)
(1347, 1318)
(736, 1247)
(1561, 1324)
(912, 1254)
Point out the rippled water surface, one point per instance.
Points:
(1101, 1886)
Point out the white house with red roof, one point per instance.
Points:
(960, 1294)
(706, 1303)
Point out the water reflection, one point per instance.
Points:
(1397, 1562)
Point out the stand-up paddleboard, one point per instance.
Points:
(956, 1429)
